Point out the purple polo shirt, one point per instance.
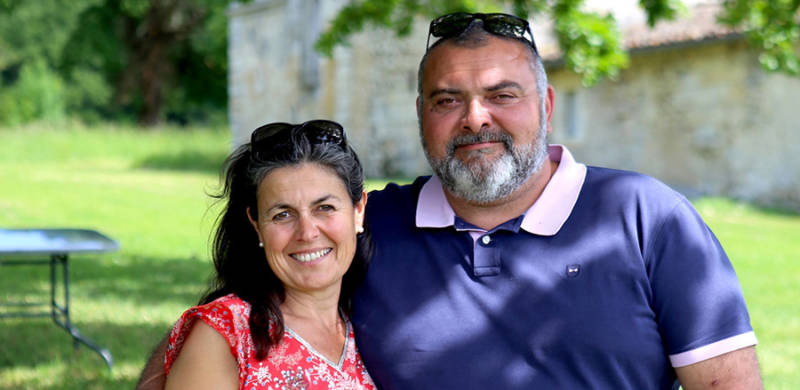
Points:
(610, 279)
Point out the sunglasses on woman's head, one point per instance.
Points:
(266, 139)
(505, 25)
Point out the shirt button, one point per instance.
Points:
(486, 240)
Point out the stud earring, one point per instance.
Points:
(260, 244)
(359, 229)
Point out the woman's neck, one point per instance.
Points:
(319, 308)
(315, 318)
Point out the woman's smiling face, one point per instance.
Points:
(307, 223)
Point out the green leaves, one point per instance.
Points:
(38, 94)
(591, 42)
(397, 15)
(99, 49)
(771, 25)
(116, 59)
(351, 19)
(354, 16)
(661, 9)
(32, 38)
(134, 8)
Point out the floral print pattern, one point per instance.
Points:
(292, 364)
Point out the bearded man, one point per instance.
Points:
(515, 267)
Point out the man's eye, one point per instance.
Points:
(504, 97)
(447, 101)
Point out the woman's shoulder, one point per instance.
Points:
(228, 315)
(225, 306)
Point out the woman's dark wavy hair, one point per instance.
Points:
(241, 265)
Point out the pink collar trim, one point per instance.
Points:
(545, 217)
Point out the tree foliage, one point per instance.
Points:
(771, 25)
(150, 60)
(143, 59)
(591, 42)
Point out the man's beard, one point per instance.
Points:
(484, 181)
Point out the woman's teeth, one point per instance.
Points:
(311, 256)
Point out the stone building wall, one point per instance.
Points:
(702, 117)
(705, 119)
(369, 87)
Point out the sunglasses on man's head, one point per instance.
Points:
(266, 139)
(505, 25)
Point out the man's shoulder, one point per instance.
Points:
(394, 193)
(395, 203)
(627, 191)
(617, 175)
(626, 182)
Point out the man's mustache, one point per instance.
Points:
(482, 136)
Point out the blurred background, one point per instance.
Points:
(116, 115)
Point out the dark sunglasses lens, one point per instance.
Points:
(450, 25)
(268, 131)
(321, 131)
(499, 24)
(505, 25)
(275, 139)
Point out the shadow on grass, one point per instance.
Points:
(781, 211)
(184, 160)
(141, 280)
(37, 354)
(38, 345)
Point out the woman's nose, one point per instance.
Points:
(307, 229)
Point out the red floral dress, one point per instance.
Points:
(291, 364)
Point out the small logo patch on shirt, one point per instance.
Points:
(573, 270)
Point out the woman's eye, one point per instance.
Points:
(282, 216)
(326, 207)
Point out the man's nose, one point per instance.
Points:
(307, 229)
(476, 116)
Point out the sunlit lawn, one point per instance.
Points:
(764, 246)
(148, 191)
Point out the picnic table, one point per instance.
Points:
(52, 247)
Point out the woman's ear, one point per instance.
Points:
(253, 222)
(359, 208)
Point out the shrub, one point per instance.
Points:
(38, 94)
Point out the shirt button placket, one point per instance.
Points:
(486, 257)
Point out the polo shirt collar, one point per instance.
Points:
(545, 217)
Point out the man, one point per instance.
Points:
(516, 267)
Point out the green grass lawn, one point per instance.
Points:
(764, 246)
(148, 189)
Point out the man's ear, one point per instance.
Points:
(419, 108)
(549, 107)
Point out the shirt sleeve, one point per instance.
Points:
(699, 304)
(216, 315)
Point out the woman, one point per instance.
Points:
(289, 250)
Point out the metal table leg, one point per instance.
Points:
(60, 314)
